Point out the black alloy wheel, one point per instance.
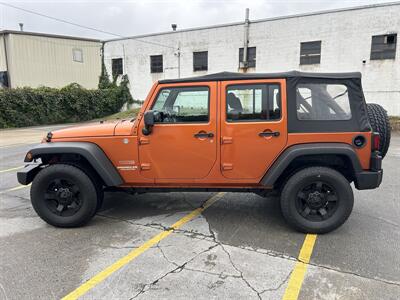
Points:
(64, 196)
(316, 200)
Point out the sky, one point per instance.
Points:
(129, 18)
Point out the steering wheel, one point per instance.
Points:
(168, 117)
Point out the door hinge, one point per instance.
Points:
(144, 141)
(145, 166)
(227, 167)
(226, 140)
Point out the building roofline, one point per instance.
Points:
(56, 36)
(259, 20)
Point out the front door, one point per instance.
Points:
(182, 145)
(253, 126)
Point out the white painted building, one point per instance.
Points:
(354, 39)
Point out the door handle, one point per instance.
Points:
(269, 133)
(204, 135)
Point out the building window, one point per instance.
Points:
(383, 46)
(251, 57)
(77, 55)
(253, 102)
(310, 53)
(117, 66)
(3, 79)
(200, 61)
(156, 63)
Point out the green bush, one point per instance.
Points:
(36, 106)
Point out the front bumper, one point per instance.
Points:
(26, 175)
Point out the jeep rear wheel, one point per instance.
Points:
(379, 120)
(64, 196)
(316, 200)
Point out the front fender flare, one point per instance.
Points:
(91, 152)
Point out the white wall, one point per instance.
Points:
(346, 42)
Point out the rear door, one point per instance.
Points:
(253, 126)
(182, 145)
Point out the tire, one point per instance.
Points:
(64, 196)
(379, 120)
(96, 181)
(298, 194)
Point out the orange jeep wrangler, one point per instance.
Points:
(307, 136)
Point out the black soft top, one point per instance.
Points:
(352, 80)
(223, 76)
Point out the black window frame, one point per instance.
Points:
(381, 48)
(198, 61)
(186, 88)
(307, 54)
(117, 66)
(251, 56)
(156, 66)
(245, 86)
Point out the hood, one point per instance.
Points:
(89, 130)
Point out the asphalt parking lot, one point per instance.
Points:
(239, 247)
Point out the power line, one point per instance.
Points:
(82, 26)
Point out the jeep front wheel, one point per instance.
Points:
(316, 200)
(64, 196)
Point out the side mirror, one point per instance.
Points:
(148, 122)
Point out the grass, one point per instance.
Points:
(123, 115)
(395, 123)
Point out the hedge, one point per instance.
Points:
(36, 106)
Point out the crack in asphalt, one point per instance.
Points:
(221, 275)
(201, 236)
(231, 261)
(378, 219)
(148, 286)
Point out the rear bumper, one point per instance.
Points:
(368, 180)
(371, 179)
(26, 175)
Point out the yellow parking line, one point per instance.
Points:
(300, 269)
(12, 169)
(91, 283)
(15, 188)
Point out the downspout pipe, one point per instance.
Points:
(6, 60)
(246, 37)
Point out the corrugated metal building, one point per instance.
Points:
(353, 39)
(37, 59)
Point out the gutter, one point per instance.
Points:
(6, 58)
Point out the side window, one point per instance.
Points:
(255, 102)
(183, 105)
(320, 101)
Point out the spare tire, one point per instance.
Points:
(379, 120)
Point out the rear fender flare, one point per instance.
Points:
(291, 153)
